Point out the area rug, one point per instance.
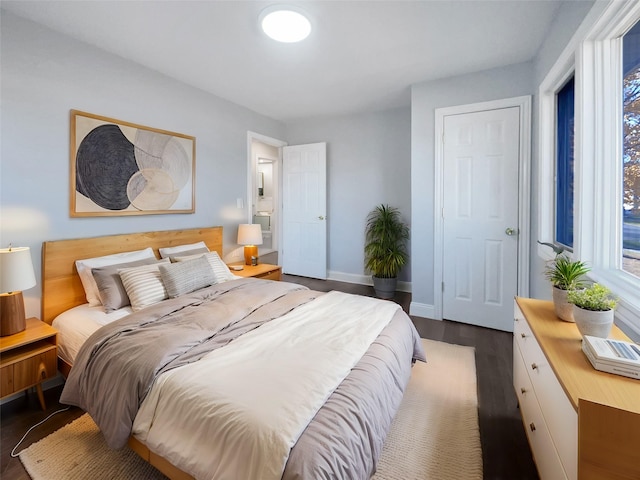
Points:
(435, 434)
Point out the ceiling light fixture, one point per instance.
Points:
(285, 24)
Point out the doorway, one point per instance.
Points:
(263, 193)
(482, 220)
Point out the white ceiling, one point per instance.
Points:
(361, 55)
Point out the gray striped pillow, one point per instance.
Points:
(144, 285)
(220, 269)
(185, 277)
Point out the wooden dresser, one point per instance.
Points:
(581, 423)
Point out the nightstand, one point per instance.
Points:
(262, 270)
(28, 358)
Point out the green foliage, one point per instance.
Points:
(597, 298)
(386, 237)
(565, 273)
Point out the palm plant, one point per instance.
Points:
(566, 274)
(386, 237)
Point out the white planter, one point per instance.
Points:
(564, 310)
(596, 324)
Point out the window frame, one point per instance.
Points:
(596, 53)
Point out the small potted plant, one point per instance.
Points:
(593, 310)
(385, 248)
(565, 275)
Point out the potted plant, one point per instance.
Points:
(565, 275)
(593, 309)
(385, 248)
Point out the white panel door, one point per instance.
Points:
(304, 210)
(480, 217)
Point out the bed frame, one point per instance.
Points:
(62, 288)
(61, 285)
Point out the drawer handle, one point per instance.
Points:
(42, 371)
(523, 335)
(532, 426)
(534, 366)
(523, 390)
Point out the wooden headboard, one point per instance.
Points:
(61, 285)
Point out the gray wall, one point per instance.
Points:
(368, 163)
(507, 82)
(511, 81)
(44, 75)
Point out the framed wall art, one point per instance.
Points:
(120, 168)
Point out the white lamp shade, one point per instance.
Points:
(249, 234)
(16, 269)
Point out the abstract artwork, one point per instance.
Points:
(119, 168)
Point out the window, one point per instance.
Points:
(631, 151)
(604, 59)
(565, 115)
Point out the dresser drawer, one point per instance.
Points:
(560, 416)
(542, 446)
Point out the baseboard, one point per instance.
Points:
(362, 280)
(421, 310)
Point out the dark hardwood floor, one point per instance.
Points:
(505, 450)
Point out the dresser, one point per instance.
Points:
(581, 423)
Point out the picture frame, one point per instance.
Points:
(121, 168)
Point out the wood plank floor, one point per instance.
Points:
(505, 450)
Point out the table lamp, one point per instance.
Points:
(16, 274)
(249, 235)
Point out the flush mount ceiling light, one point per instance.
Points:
(285, 24)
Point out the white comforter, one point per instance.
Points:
(244, 405)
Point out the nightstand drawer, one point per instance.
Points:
(272, 275)
(6, 381)
(28, 358)
(35, 369)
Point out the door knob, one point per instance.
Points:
(321, 217)
(511, 231)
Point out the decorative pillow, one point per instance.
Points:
(110, 289)
(84, 269)
(220, 269)
(185, 277)
(144, 285)
(196, 252)
(199, 247)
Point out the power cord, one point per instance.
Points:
(13, 454)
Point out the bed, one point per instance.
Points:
(257, 379)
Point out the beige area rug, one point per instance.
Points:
(435, 434)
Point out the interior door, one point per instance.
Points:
(480, 217)
(304, 210)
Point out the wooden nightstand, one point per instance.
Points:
(262, 270)
(28, 358)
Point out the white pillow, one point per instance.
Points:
(144, 284)
(166, 251)
(220, 269)
(86, 277)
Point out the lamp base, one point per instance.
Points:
(12, 318)
(250, 251)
